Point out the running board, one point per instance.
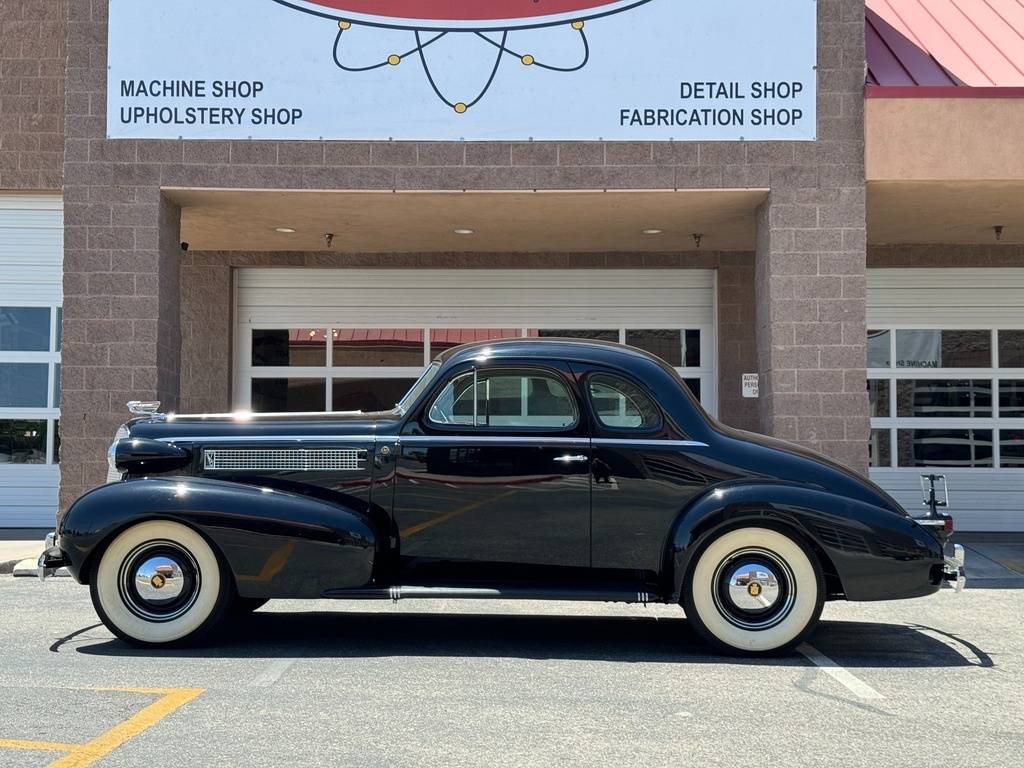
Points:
(397, 593)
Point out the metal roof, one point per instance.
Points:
(945, 43)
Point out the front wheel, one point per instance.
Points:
(158, 583)
(754, 591)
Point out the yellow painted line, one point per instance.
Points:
(448, 516)
(83, 755)
(46, 746)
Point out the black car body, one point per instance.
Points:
(519, 468)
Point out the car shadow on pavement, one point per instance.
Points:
(350, 634)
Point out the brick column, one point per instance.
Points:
(122, 337)
(810, 264)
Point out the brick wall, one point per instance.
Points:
(120, 242)
(32, 54)
(811, 261)
(981, 255)
(206, 322)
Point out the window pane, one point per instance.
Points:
(1011, 398)
(575, 333)
(22, 442)
(25, 329)
(878, 349)
(368, 394)
(23, 385)
(944, 447)
(56, 385)
(446, 338)
(1011, 349)
(943, 349)
(56, 442)
(878, 397)
(374, 347)
(505, 400)
(666, 344)
(1011, 442)
(288, 395)
(621, 405)
(691, 339)
(60, 327)
(290, 347)
(944, 398)
(694, 386)
(879, 450)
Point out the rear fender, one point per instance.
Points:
(276, 544)
(876, 553)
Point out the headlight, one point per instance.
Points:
(113, 474)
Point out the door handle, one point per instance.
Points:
(571, 458)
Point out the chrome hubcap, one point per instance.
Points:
(754, 589)
(159, 581)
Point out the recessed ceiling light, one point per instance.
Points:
(653, 231)
(465, 231)
(285, 230)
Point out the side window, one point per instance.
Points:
(505, 399)
(618, 404)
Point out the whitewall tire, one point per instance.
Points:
(160, 582)
(754, 591)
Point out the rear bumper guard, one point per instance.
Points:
(953, 568)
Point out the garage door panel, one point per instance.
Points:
(952, 299)
(436, 299)
(643, 298)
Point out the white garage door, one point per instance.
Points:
(946, 383)
(355, 339)
(31, 255)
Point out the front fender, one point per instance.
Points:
(876, 553)
(276, 543)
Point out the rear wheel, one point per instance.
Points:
(754, 591)
(158, 583)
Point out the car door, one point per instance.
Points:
(645, 470)
(494, 471)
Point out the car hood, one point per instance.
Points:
(265, 426)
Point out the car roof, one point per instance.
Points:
(583, 350)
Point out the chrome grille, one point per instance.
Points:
(311, 460)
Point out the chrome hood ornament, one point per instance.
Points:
(143, 407)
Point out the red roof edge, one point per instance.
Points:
(940, 92)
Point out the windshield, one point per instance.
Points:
(418, 388)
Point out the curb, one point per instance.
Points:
(28, 568)
(7, 566)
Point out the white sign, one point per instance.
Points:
(462, 69)
(751, 385)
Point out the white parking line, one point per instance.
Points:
(836, 672)
(272, 673)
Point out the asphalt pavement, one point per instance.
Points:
(935, 681)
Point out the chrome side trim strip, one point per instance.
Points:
(420, 439)
(649, 443)
(493, 440)
(275, 439)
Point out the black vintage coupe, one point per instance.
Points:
(542, 469)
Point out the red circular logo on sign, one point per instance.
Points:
(463, 14)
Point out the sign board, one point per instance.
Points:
(635, 70)
(751, 385)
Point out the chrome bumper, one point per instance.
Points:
(953, 570)
(51, 559)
